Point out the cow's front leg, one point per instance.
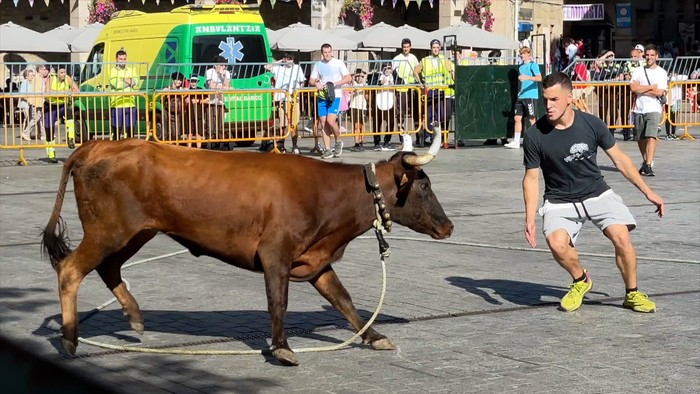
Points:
(277, 288)
(328, 284)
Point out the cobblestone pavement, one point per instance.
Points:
(474, 313)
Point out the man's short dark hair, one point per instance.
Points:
(651, 47)
(120, 52)
(177, 76)
(405, 41)
(326, 45)
(557, 78)
(288, 55)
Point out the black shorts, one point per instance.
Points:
(526, 107)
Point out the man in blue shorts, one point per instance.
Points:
(328, 76)
(527, 96)
(563, 144)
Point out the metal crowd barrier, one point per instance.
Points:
(195, 116)
(439, 106)
(682, 109)
(610, 101)
(365, 111)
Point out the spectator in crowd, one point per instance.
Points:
(626, 96)
(328, 75)
(606, 70)
(563, 145)
(32, 105)
(174, 114)
(56, 108)
(528, 95)
(358, 108)
(218, 77)
(123, 79)
(649, 84)
(405, 65)
(674, 105)
(385, 113)
(288, 76)
(437, 72)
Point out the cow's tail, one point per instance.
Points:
(55, 243)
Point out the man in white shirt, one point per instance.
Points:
(649, 84)
(328, 76)
(288, 76)
(405, 64)
(218, 78)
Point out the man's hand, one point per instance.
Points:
(656, 200)
(530, 233)
(523, 77)
(127, 82)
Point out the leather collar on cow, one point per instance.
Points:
(383, 222)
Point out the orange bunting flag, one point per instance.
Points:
(299, 3)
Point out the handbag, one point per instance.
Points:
(662, 98)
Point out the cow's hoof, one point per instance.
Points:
(383, 344)
(137, 326)
(286, 357)
(69, 346)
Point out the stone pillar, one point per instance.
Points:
(79, 16)
(324, 13)
(450, 12)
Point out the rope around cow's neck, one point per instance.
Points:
(381, 225)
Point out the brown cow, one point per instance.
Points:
(286, 216)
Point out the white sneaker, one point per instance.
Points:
(512, 145)
(296, 151)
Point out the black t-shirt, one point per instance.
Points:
(568, 157)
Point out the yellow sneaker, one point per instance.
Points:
(639, 302)
(574, 298)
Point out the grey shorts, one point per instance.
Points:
(647, 125)
(603, 211)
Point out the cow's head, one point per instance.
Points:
(415, 205)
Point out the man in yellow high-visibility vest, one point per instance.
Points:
(123, 79)
(60, 84)
(437, 73)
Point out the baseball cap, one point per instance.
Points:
(639, 47)
(435, 41)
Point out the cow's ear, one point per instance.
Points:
(404, 180)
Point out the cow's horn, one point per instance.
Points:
(432, 152)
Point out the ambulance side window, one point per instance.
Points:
(94, 63)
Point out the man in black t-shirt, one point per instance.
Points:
(564, 144)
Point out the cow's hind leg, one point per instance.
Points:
(71, 272)
(328, 284)
(110, 272)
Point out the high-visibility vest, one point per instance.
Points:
(432, 75)
(116, 83)
(58, 86)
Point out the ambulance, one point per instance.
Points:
(187, 39)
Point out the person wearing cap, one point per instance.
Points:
(288, 76)
(405, 64)
(437, 72)
(172, 114)
(217, 78)
(328, 75)
(626, 96)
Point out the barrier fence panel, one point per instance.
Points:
(196, 116)
(610, 101)
(439, 105)
(682, 106)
